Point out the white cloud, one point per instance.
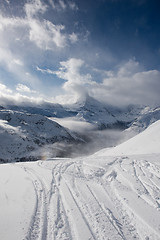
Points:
(45, 70)
(9, 97)
(46, 35)
(10, 57)
(12, 64)
(70, 71)
(76, 82)
(4, 89)
(18, 62)
(34, 7)
(18, 34)
(23, 88)
(129, 68)
(73, 38)
(10, 22)
(19, 99)
(130, 84)
(75, 85)
(43, 33)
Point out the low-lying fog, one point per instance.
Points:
(94, 139)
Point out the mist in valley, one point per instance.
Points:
(92, 139)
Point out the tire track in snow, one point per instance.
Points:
(109, 215)
(62, 226)
(58, 225)
(95, 213)
(79, 227)
(38, 224)
(78, 221)
(102, 223)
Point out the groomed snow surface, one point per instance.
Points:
(113, 194)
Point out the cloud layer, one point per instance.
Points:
(47, 52)
(128, 84)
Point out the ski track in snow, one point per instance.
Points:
(95, 198)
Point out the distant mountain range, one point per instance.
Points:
(90, 110)
(28, 133)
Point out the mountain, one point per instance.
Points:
(26, 136)
(28, 132)
(45, 109)
(104, 116)
(90, 110)
(145, 118)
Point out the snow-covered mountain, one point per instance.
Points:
(45, 109)
(96, 112)
(90, 110)
(145, 118)
(30, 132)
(26, 136)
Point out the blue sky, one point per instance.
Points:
(61, 50)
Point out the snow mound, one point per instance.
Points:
(146, 142)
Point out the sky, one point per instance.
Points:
(62, 50)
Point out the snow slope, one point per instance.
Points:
(98, 197)
(147, 142)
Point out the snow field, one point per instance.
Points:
(105, 198)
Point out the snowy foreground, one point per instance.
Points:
(113, 194)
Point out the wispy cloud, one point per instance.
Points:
(46, 35)
(73, 37)
(7, 1)
(63, 5)
(24, 89)
(34, 7)
(4, 89)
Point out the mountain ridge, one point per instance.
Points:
(24, 134)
